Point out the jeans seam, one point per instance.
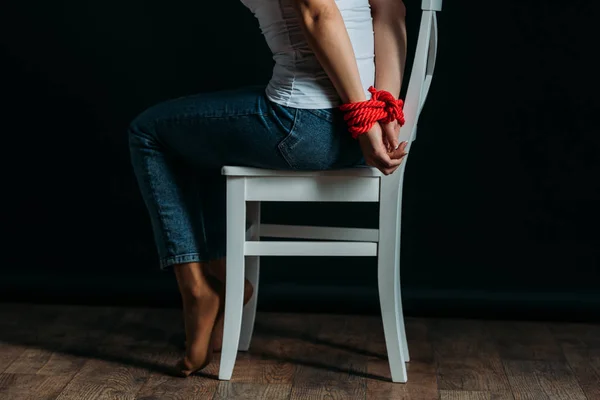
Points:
(164, 260)
(146, 175)
(287, 156)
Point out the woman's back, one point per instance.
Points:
(298, 79)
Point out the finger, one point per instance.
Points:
(384, 138)
(397, 134)
(402, 145)
(398, 153)
(385, 160)
(387, 145)
(389, 133)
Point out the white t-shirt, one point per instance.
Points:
(298, 79)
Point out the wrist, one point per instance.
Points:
(383, 107)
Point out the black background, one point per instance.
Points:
(501, 199)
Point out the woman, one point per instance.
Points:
(327, 53)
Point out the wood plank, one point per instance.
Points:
(276, 340)
(45, 367)
(29, 362)
(466, 357)
(576, 334)
(252, 391)
(417, 332)
(464, 395)
(119, 371)
(62, 364)
(148, 327)
(159, 352)
(329, 366)
(79, 352)
(585, 364)
(468, 395)
(163, 385)
(251, 367)
(343, 333)
(31, 386)
(472, 374)
(421, 384)
(502, 396)
(420, 344)
(104, 380)
(9, 353)
(22, 336)
(68, 338)
(521, 340)
(457, 338)
(144, 347)
(81, 328)
(542, 379)
(421, 370)
(474, 395)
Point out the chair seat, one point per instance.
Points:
(360, 170)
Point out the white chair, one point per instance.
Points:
(247, 187)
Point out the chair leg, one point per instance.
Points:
(252, 274)
(398, 290)
(234, 291)
(249, 314)
(389, 280)
(401, 327)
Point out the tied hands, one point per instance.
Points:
(384, 115)
(380, 146)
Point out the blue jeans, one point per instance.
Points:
(178, 147)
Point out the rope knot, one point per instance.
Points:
(382, 106)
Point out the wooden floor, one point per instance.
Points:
(72, 352)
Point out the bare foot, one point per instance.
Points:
(200, 310)
(217, 333)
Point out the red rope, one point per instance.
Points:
(360, 116)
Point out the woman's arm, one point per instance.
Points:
(389, 26)
(326, 33)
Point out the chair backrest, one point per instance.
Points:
(422, 69)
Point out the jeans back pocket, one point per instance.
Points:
(316, 143)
